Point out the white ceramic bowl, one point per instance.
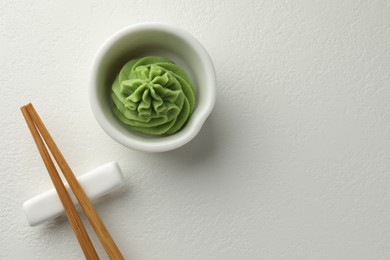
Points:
(151, 39)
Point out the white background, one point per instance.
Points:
(294, 162)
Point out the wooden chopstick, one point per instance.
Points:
(88, 208)
(74, 219)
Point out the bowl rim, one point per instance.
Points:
(197, 118)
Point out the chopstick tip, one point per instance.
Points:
(26, 106)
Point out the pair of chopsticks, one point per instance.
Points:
(39, 131)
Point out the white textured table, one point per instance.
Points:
(294, 162)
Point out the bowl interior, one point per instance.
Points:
(134, 43)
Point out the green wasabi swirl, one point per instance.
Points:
(153, 95)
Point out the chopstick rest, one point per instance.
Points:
(95, 183)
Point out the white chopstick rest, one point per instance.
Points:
(95, 183)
